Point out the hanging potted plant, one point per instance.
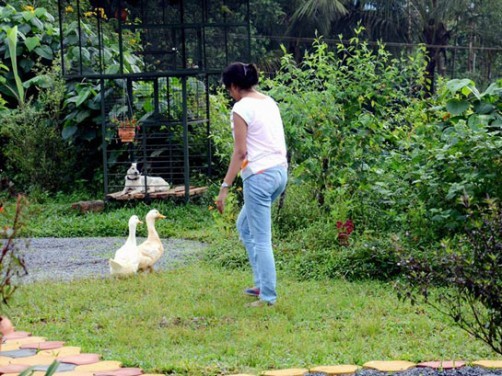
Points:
(126, 128)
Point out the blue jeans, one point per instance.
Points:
(255, 226)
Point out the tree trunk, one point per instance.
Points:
(436, 36)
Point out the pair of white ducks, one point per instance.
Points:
(131, 258)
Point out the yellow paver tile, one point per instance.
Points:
(342, 369)
(62, 351)
(39, 373)
(9, 346)
(286, 372)
(495, 364)
(24, 341)
(35, 360)
(389, 366)
(105, 365)
(74, 373)
(4, 360)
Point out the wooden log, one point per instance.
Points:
(95, 206)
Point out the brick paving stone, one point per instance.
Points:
(35, 360)
(492, 364)
(44, 345)
(61, 351)
(286, 372)
(105, 365)
(342, 369)
(24, 341)
(80, 359)
(62, 367)
(9, 346)
(74, 373)
(126, 371)
(4, 360)
(19, 353)
(443, 364)
(389, 365)
(16, 335)
(13, 368)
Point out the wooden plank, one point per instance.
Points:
(178, 191)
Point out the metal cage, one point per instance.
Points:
(154, 62)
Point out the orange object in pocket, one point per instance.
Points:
(244, 164)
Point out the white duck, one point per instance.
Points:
(126, 258)
(151, 249)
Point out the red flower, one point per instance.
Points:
(344, 230)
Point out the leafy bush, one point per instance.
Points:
(453, 157)
(39, 42)
(11, 263)
(36, 155)
(470, 268)
(340, 110)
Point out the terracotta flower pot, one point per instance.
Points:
(127, 134)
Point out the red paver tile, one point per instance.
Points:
(13, 368)
(445, 364)
(80, 359)
(45, 345)
(16, 335)
(121, 372)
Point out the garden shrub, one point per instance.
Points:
(454, 157)
(37, 158)
(12, 265)
(469, 267)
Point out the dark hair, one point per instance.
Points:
(242, 75)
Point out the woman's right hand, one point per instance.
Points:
(220, 201)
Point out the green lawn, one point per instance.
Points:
(193, 321)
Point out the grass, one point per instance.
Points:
(193, 320)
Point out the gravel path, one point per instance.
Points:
(464, 371)
(65, 259)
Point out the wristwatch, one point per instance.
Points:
(225, 185)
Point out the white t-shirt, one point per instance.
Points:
(265, 142)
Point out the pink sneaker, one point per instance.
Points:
(252, 291)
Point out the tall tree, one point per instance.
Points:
(309, 17)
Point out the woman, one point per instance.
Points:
(260, 156)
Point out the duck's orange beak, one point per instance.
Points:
(161, 216)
